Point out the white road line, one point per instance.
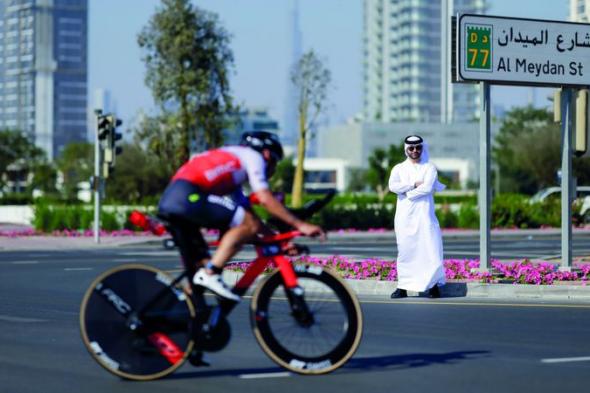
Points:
(149, 253)
(25, 262)
(72, 269)
(265, 375)
(9, 318)
(128, 260)
(567, 360)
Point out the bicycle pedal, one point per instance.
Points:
(199, 359)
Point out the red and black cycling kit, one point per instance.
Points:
(207, 190)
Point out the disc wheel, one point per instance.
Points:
(130, 344)
(307, 348)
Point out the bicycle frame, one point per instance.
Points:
(269, 250)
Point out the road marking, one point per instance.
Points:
(9, 318)
(149, 253)
(434, 302)
(128, 260)
(25, 262)
(71, 269)
(567, 360)
(265, 375)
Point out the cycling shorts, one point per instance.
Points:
(184, 200)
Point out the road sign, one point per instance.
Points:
(504, 50)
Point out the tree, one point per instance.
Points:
(187, 56)
(76, 163)
(15, 146)
(357, 180)
(312, 81)
(137, 175)
(380, 163)
(159, 136)
(522, 126)
(44, 178)
(282, 179)
(528, 152)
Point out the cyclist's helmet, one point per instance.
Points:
(260, 140)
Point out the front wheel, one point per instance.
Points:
(326, 340)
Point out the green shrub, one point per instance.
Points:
(56, 218)
(447, 218)
(41, 216)
(109, 221)
(16, 199)
(357, 217)
(468, 216)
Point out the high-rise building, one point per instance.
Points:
(43, 70)
(407, 73)
(580, 10)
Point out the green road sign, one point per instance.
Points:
(479, 48)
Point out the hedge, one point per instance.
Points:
(49, 218)
(347, 211)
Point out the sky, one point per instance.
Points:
(261, 42)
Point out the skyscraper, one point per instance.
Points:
(43, 70)
(580, 10)
(407, 62)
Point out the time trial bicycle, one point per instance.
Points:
(140, 323)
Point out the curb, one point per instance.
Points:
(470, 290)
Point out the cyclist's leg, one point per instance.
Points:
(177, 206)
(243, 225)
(193, 248)
(234, 238)
(185, 200)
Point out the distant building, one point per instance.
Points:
(580, 10)
(43, 70)
(407, 62)
(454, 148)
(251, 119)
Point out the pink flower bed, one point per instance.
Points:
(519, 272)
(81, 233)
(71, 233)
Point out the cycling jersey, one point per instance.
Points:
(222, 171)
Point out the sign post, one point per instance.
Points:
(484, 178)
(516, 51)
(566, 179)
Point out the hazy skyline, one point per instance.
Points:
(261, 42)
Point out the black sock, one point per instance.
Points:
(213, 268)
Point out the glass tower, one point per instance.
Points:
(407, 62)
(43, 70)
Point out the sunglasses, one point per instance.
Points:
(417, 148)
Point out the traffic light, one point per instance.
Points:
(103, 127)
(111, 149)
(108, 138)
(581, 127)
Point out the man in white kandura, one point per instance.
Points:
(419, 241)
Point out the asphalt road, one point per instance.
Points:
(410, 345)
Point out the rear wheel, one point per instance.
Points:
(130, 344)
(315, 345)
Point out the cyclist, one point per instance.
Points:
(207, 192)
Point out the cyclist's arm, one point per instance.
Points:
(276, 208)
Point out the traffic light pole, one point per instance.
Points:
(96, 181)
